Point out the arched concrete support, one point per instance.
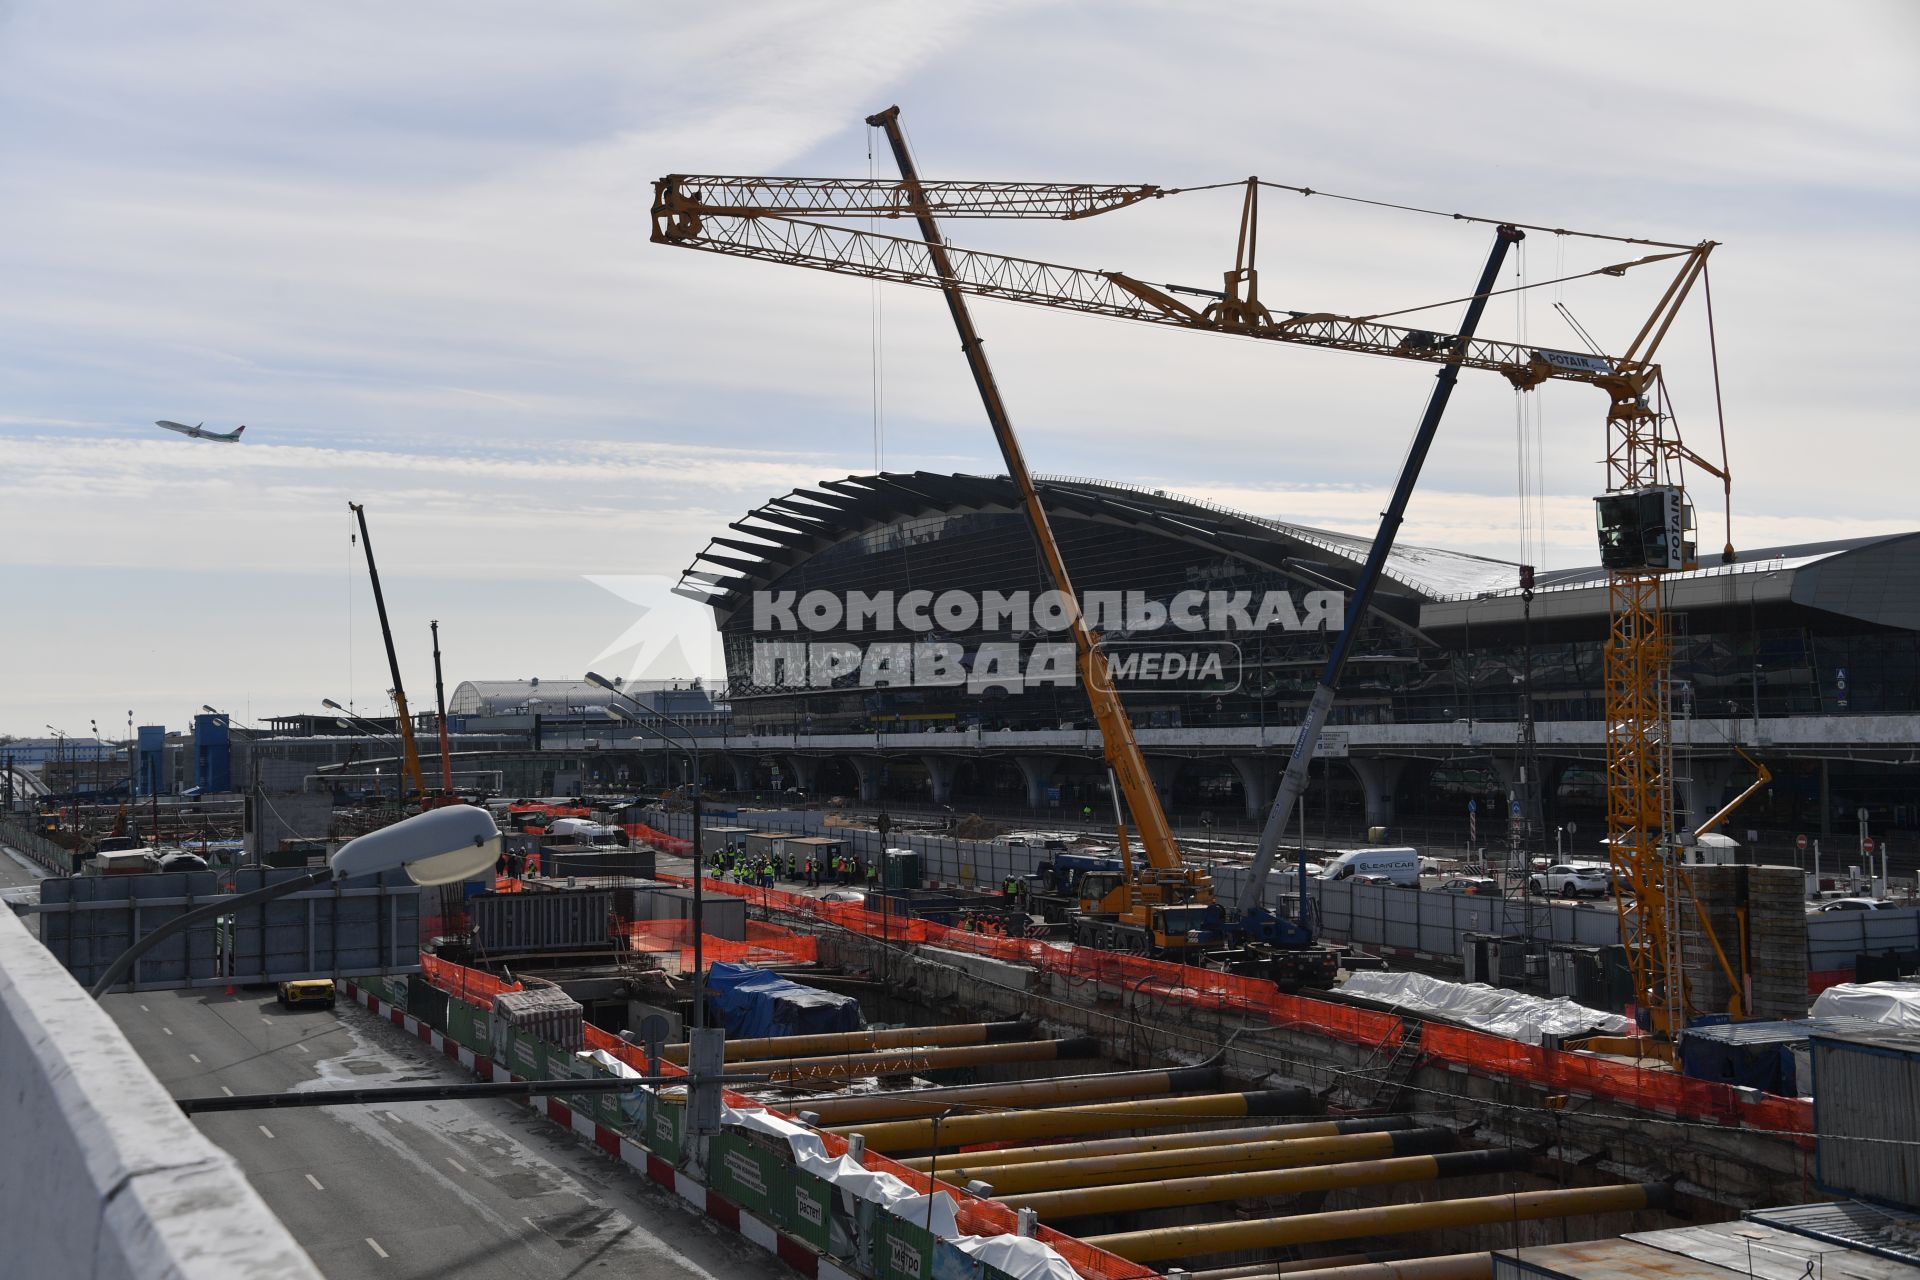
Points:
(940, 771)
(1701, 790)
(1259, 778)
(742, 767)
(650, 767)
(1038, 772)
(867, 770)
(805, 770)
(1378, 777)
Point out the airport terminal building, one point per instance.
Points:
(896, 635)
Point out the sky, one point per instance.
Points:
(408, 248)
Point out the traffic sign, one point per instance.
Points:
(1866, 844)
(1473, 806)
(1800, 842)
(1516, 808)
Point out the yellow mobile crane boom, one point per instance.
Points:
(1644, 520)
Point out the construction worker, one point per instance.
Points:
(873, 875)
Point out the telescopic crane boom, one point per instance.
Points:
(410, 760)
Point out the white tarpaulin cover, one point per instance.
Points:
(1020, 1257)
(1895, 1003)
(1504, 1013)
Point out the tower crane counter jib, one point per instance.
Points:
(1645, 522)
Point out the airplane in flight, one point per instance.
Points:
(224, 437)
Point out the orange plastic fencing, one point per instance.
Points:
(470, 985)
(1185, 984)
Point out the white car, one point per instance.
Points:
(1570, 881)
(1857, 904)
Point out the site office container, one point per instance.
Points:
(555, 920)
(1866, 1114)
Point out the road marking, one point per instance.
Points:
(264, 1018)
(375, 1246)
(456, 1164)
(144, 1009)
(266, 1130)
(194, 1056)
(316, 1183)
(302, 1048)
(226, 1091)
(168, 1030)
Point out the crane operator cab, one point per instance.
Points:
(1646, 529)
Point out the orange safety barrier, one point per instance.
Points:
(1186, 984)
(470, 985)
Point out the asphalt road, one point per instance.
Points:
(425, 1189)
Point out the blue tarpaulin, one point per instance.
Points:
(752, 1002)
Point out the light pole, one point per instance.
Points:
(440, 846)
(692, 748)
(373, 730)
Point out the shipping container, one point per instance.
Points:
(1866, 1114)
(722, 915)
(551, 921)
(1758, 1055)
(560, 861)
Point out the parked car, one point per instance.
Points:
(1857, 904)
(1571, 881)
(1471, 886)
(843, 895)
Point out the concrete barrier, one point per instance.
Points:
(101, 1175)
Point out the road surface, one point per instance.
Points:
(480, 1189)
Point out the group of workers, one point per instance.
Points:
(765, 869)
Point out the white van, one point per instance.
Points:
(1401, 865)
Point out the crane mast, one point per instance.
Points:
(1644, 520)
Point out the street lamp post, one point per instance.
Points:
(692, 748)
(440, 846)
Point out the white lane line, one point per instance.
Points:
(264, 1018)
(194, 1056)
(265, 1130)
(393, 1116)
(226, 1091)
(316, 1183)
(456, 1164)
(144, 1009)
(168, 1030)
(302, 1048)
(375, 1246)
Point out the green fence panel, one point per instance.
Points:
(902, 1250)
(665, 1134)
(562, 1065)
(526, 1055)
(756, 1178)
(469, 1027)
(809, 1210)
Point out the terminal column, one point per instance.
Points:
(1164, 770)
(940, 771)
(805, 770)
(1378, 778)
(1702, 791)
(1259, 776)
(1038, 772)
(867, 770)
(742, 767)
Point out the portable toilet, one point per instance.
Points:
(902, 869)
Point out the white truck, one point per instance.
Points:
(1401, 865)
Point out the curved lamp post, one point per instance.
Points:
(651, 719)
(440, 846)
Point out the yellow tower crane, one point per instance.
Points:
(1645, 522)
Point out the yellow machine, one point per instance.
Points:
(1645, 522)
(305, 991)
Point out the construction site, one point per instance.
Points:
(880, 1038)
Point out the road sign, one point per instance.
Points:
(1866, 844)
(1516, 808)
(1800, 843)
(1473, 806)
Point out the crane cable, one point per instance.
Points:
(1456, 217)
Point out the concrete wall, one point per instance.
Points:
(100, 1174)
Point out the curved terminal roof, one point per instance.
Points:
(790, 529)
